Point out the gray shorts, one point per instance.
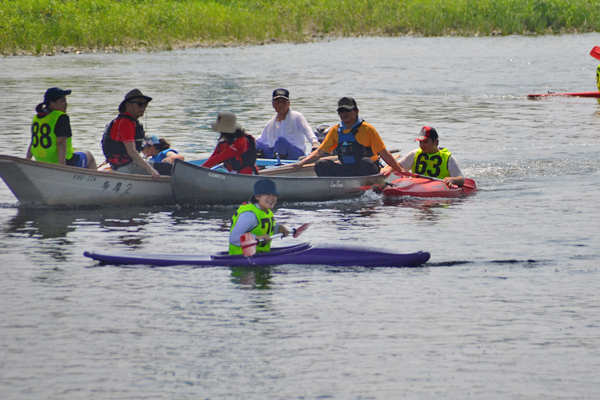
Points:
(133, 168)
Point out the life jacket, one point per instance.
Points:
(434, 165)
(162, 155)
(244, 160)
(266, 225)
(43, 138)
(349, 151)
(598, 77)
(114, 150)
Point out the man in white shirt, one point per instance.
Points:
(433, 161)
(287, 132)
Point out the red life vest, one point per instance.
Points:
(244, 163)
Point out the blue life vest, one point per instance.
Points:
(349, 151)
(162, 155)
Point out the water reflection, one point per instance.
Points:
(250, 278)
(429, 209)
(53, 223)
(40, 223)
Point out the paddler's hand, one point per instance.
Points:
(263, 238)
(449, 182)
(387, 170)
(282, 229)
(296, 166)
(154, 173)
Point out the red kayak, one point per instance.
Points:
(428, 187)
(580, 94)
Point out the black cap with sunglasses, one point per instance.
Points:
(346, 103)
(134, 94)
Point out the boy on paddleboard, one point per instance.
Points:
(256, 218)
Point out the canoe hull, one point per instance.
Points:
(579, 94)
(42, 184)
(197, 185)
(36, 183)
(302, 254)
(421, 187)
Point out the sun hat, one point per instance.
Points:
(226, 122)
(346, 103)
(426, 133)
(265, 186)
(54, 94)
(133, 94)
(281, 94)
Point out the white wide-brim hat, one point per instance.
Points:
(226, 123)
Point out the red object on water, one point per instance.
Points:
(423, 187)
(580, 94)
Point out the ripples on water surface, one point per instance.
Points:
(506, 308)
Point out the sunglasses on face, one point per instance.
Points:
(344, 110)
(140, 103)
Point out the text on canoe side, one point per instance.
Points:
(107, 186)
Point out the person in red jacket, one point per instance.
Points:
(236, 149)
(123, 137)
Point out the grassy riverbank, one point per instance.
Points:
(43, 26)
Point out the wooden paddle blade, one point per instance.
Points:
(595, 52)
(300, 229)
(248, 244)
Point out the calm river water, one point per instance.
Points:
(507, 308)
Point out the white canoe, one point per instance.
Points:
(37, 183)
(41, 184)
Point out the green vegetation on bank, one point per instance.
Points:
(41, 26)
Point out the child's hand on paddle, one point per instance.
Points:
(263, 238)
(283, 229)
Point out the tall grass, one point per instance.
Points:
(38, 26)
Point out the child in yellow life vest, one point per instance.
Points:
(431, 160)
(256, 217)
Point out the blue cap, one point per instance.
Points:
(54, 94)
(265, 186)
(150, 140)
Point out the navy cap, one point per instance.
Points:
(265, 186)
(281, 94)
(54, 94)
